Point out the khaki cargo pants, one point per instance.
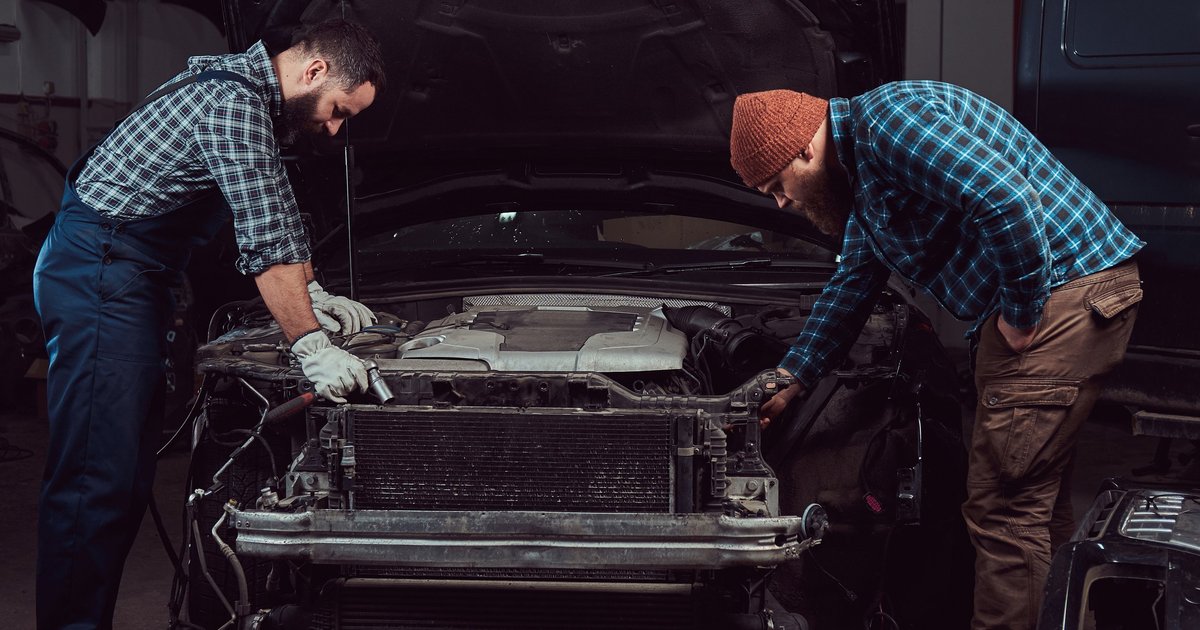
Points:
(1031, 406)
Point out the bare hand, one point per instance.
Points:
(1018, 339)
(777, 403)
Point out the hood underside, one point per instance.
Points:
(469, 76)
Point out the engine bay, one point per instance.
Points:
(525, 437)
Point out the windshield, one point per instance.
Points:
(585, 236)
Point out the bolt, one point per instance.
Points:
(752, 485)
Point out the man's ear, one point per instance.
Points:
(315, 72)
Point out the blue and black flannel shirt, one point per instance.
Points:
(956, 196)
(213, 133)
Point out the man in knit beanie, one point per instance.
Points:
(949, 191)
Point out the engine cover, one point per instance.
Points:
(547, 339)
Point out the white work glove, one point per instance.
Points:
(334, 371)
(338, 314)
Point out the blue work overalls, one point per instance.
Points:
(101, 288)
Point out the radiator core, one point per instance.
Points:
(465, 460)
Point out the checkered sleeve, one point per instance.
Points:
(236, 143)
(839, 314)
(922, 147)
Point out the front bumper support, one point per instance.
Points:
(519, 539)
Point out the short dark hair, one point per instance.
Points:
(352, 53)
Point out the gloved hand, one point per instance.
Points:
(334, 371)
(338, 314)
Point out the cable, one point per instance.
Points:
(162, 534)
(1154, 606)
(10, 453)
(201, 395)
(207, 575)
(850, 595)
(882, 616)
(180, 581)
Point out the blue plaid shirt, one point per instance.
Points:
(956, 196)
(212, 133)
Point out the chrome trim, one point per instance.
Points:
(1171, 518)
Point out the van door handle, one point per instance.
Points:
(1193, 131)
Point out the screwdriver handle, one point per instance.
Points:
(290, 407)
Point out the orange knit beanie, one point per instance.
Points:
(770, 129)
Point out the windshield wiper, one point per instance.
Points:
(744, 263)
(535, 258)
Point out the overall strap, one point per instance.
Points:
(207, 75)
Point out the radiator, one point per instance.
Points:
(454, 609)
(464, 460)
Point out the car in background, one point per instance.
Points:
(1113, 89)
(580, 308)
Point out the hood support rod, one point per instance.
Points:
(350, 250)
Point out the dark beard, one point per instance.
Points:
(827, 204)
(297, 115)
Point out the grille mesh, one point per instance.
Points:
(475, 461)
(448, 609)
(481, 573)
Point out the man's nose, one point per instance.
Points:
(780, 199)
(332, 127)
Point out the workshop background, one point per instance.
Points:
(65, 80)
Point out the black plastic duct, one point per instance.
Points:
(745, 351)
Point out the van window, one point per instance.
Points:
(1120, 28)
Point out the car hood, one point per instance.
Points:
(561, 100)
(558, 77)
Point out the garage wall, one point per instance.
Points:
(968, 43)
(141, 44)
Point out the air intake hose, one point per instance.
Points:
(745, 351)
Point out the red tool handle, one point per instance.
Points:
(290, 407)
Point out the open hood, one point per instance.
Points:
(585, 76)
(517, 106)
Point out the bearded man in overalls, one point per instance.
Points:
(202, 149)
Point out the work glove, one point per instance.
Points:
(334, 371)
(338, 314)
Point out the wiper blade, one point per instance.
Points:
(744, 263)
(535, 258)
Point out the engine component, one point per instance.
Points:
(546, 339)
(744, 351)
(816, 521)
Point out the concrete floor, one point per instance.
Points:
(147, 580)
(1106, 448)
